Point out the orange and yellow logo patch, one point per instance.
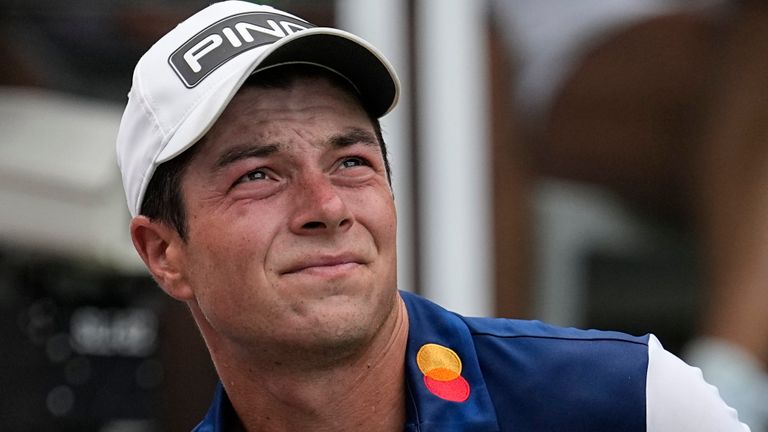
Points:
(441, 367)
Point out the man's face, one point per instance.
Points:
(291, 221)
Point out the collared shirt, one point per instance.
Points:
(493, 374)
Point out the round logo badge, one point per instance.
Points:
(441, 367)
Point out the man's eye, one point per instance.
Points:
(253, 176)
(353, 162)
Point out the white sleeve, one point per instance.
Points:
(678, 399)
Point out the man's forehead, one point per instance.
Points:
(260, 147)
(305, 106)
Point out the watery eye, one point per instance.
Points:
(253, 176)
(352, 162)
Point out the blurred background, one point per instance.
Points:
(592, 164)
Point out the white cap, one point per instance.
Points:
(183, 83)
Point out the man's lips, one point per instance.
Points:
(324, 265)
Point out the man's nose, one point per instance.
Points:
(319, 208)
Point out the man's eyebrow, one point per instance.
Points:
(244, 152)
(353, 136)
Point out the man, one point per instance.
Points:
(256, 172)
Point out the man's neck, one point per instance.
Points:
(365, 392)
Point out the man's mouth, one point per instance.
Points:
(325, 266)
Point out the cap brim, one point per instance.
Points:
(344, 53)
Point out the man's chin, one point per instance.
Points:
(335, 329)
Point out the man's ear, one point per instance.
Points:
(161, 249)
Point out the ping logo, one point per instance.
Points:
(441, 367)
(224, 40)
